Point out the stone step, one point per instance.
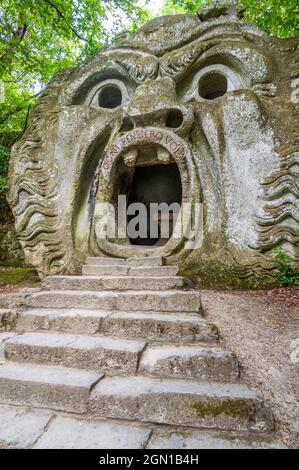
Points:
(65, 320)
(145, 261)
(103, 270)
(200, 440)
(205, 363)
(115, 270)
(57, 388)
(150, 271)
(136, 261)
(151, 326)
(181, 402)
(98, 353)
(111, 283)
(159, 301)
(70, 433)
(100, 261)
(21, 428)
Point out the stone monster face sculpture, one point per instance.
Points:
(190, 109)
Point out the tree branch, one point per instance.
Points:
(19, 34)
(65, 20)
(10, 113)
(15, 110)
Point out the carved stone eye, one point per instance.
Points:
(213, 82)
(212, 85)
(109, 97)
(109, 94)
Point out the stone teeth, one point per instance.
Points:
(130, 157)
(163, 155)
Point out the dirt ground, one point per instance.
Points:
(262, 328)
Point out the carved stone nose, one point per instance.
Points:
(155, 104)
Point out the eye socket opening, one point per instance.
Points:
(212, 85)
(174, 118)
(110, 97)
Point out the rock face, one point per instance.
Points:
(207, 102)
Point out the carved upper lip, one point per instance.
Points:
(146, 155)
(167, 145)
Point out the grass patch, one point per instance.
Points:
(18, 276)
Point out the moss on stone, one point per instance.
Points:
(232, 408)
(226, 268)
(19, 275)
(214, 327)
(7, 320)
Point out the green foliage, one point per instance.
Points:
(38, 38)
(279, 18)
(288, 276)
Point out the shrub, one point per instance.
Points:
(289, 276)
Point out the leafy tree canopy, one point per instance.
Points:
(277, 17)
(39, 37)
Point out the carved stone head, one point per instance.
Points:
(190, 109)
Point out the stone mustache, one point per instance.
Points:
(202, 109)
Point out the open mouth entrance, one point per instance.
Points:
(158, 188)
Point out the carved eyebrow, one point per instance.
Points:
(175, 64)
(138, 65)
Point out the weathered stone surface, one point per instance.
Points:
(97, 353)
(69, 320)
(8, 319)
(66, 433)
(176, 301)
(23, 429)
(203, 440)
(181, 402)
(105, 261)
(148, 325)
(111, 283)
(51, 387)
(219, 8)
(3, 338)
(195, 91)
(145, 261)
(102, 270)
(19, 428)
(153, 271)
(12, 301)
(189, 361)
(159, 327)
(142, 271)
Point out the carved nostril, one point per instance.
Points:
(174, 119)
(127, 125)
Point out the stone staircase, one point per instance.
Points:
(126, 341)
